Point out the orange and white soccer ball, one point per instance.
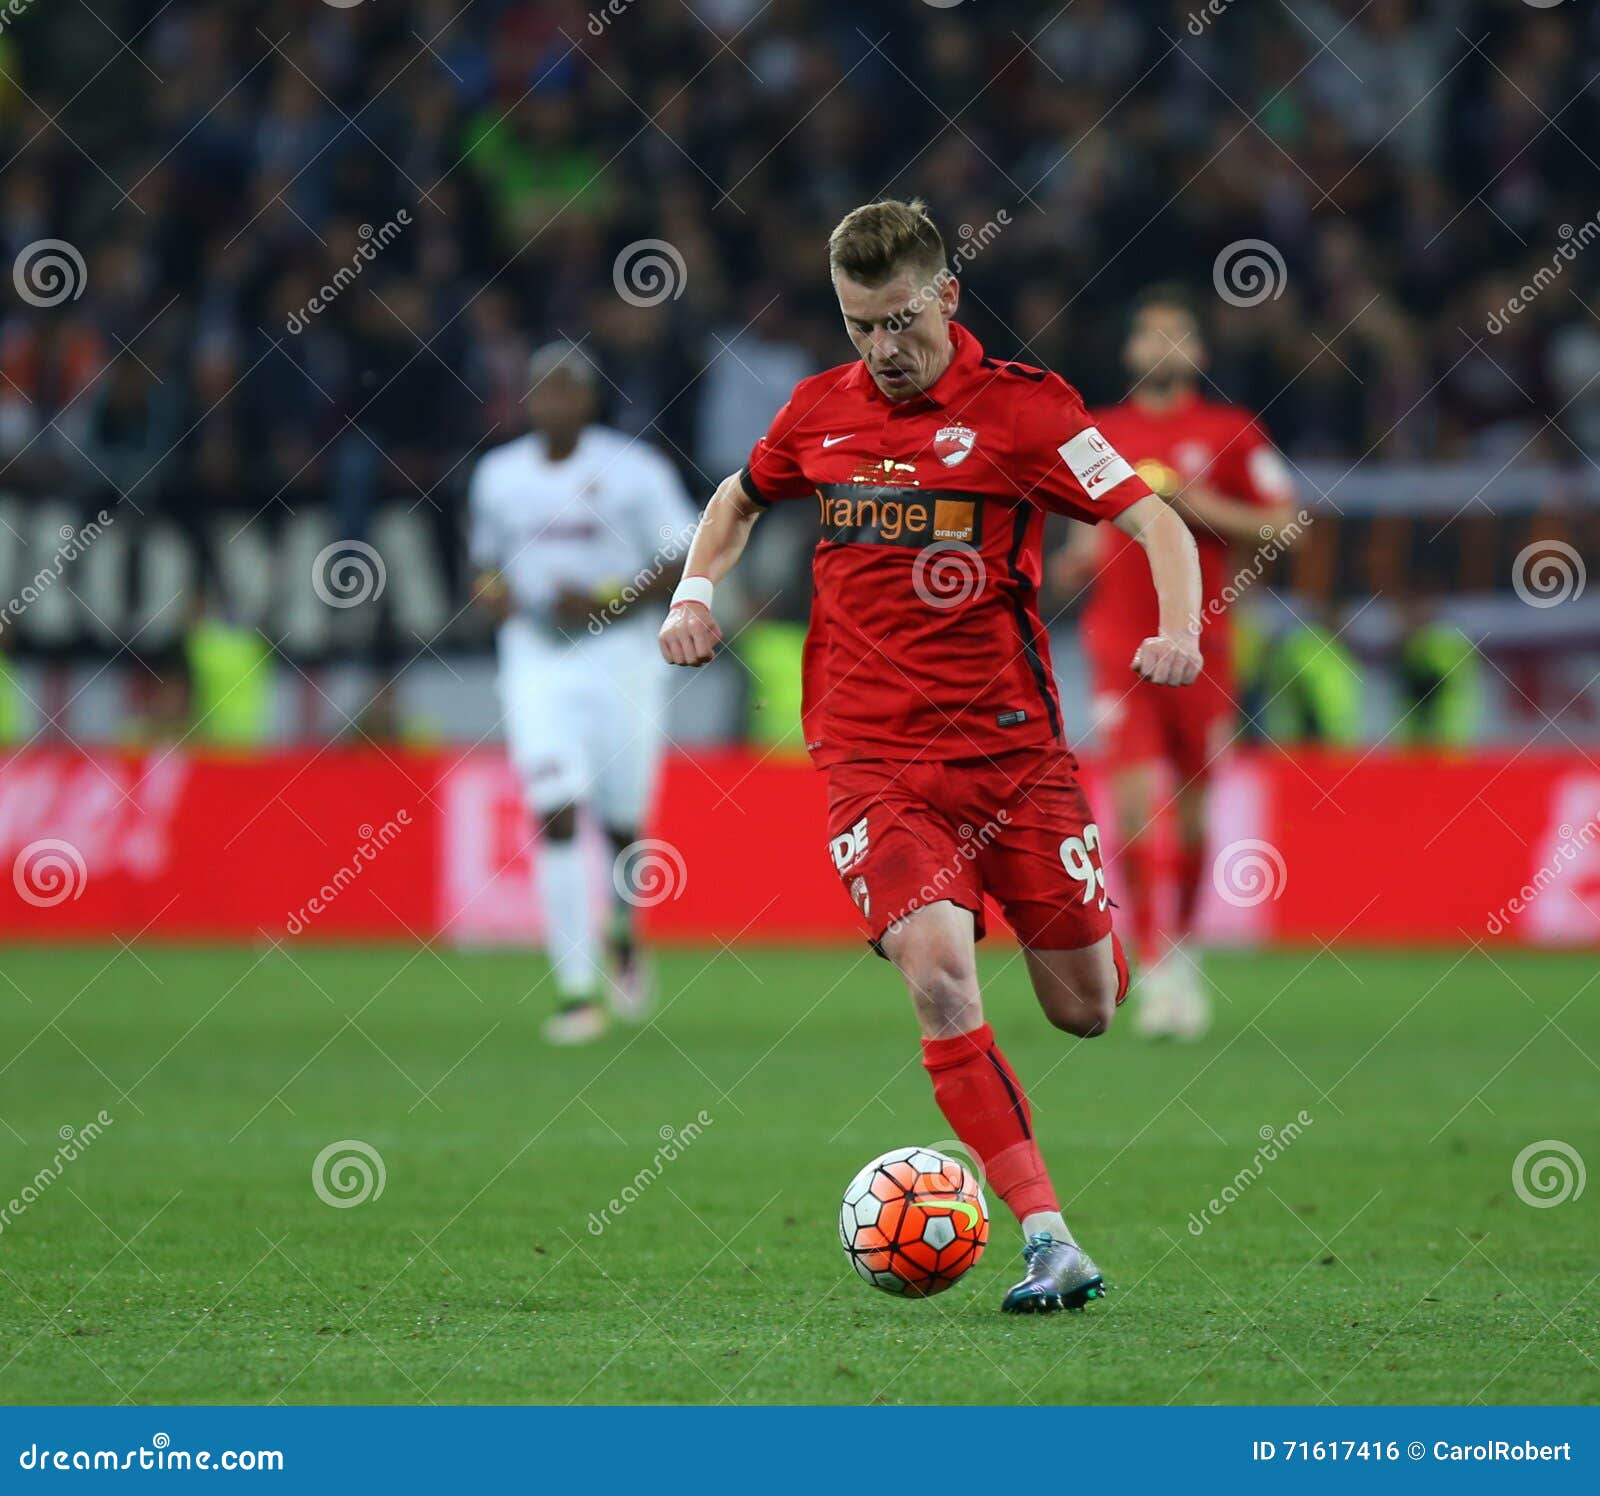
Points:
(914, 1221)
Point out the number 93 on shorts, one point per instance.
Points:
(1017, 829)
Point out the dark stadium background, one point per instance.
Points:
(1411, 163)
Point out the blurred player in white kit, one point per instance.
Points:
(575, 538)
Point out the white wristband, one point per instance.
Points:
(693, 590)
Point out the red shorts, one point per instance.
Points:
(1018, 828)
(1137, 722)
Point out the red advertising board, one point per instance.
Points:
(343, 843)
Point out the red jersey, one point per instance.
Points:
(925, 639)
(1196, 439)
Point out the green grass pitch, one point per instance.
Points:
(184, 1255)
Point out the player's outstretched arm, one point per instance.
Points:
(1233, 520)
(690, 634)
(1172, 657)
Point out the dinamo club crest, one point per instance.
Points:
(952, 443)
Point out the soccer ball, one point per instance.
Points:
(913, 1221)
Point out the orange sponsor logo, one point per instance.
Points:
(953, 519)
(891, 518)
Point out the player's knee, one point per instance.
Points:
(944, 988)
(561, 824)
(1086, 1008)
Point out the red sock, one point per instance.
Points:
(983, 1102)
(1120, 958)
(1138, 872)
(1190, 872)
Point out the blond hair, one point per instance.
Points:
(874, 242)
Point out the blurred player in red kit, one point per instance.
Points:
(1216, 468)
(928, 694)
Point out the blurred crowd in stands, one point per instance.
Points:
(319, 237)
(1414, 162)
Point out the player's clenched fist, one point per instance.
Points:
(690, 635)
(1168, 662)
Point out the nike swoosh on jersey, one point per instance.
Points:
(833, 441)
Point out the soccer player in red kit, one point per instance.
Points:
(928, 693)
(1214, 466)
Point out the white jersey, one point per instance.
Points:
(613, 513)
